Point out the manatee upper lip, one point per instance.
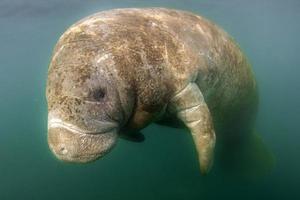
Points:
(58, 123)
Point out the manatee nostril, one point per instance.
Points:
(63, 150)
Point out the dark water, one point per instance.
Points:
(164, 165)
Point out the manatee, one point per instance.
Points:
(115, 72)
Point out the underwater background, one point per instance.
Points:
(164, 166)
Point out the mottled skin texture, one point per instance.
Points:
(117, 71)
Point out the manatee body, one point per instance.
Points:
(116, 71)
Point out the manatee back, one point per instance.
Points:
(155, 52)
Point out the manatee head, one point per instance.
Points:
(84, 111)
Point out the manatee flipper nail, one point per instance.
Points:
(192, 110)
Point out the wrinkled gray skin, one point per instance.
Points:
(117, 71)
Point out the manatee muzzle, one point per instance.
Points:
(73, 144)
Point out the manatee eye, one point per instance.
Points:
(99, 94)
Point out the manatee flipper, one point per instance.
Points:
(191, 109)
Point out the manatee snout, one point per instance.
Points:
(71, 144)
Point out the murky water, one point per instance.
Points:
(164, 165)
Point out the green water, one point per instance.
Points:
(164, 166)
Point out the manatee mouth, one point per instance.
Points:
(105, 127)
(73, 144)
